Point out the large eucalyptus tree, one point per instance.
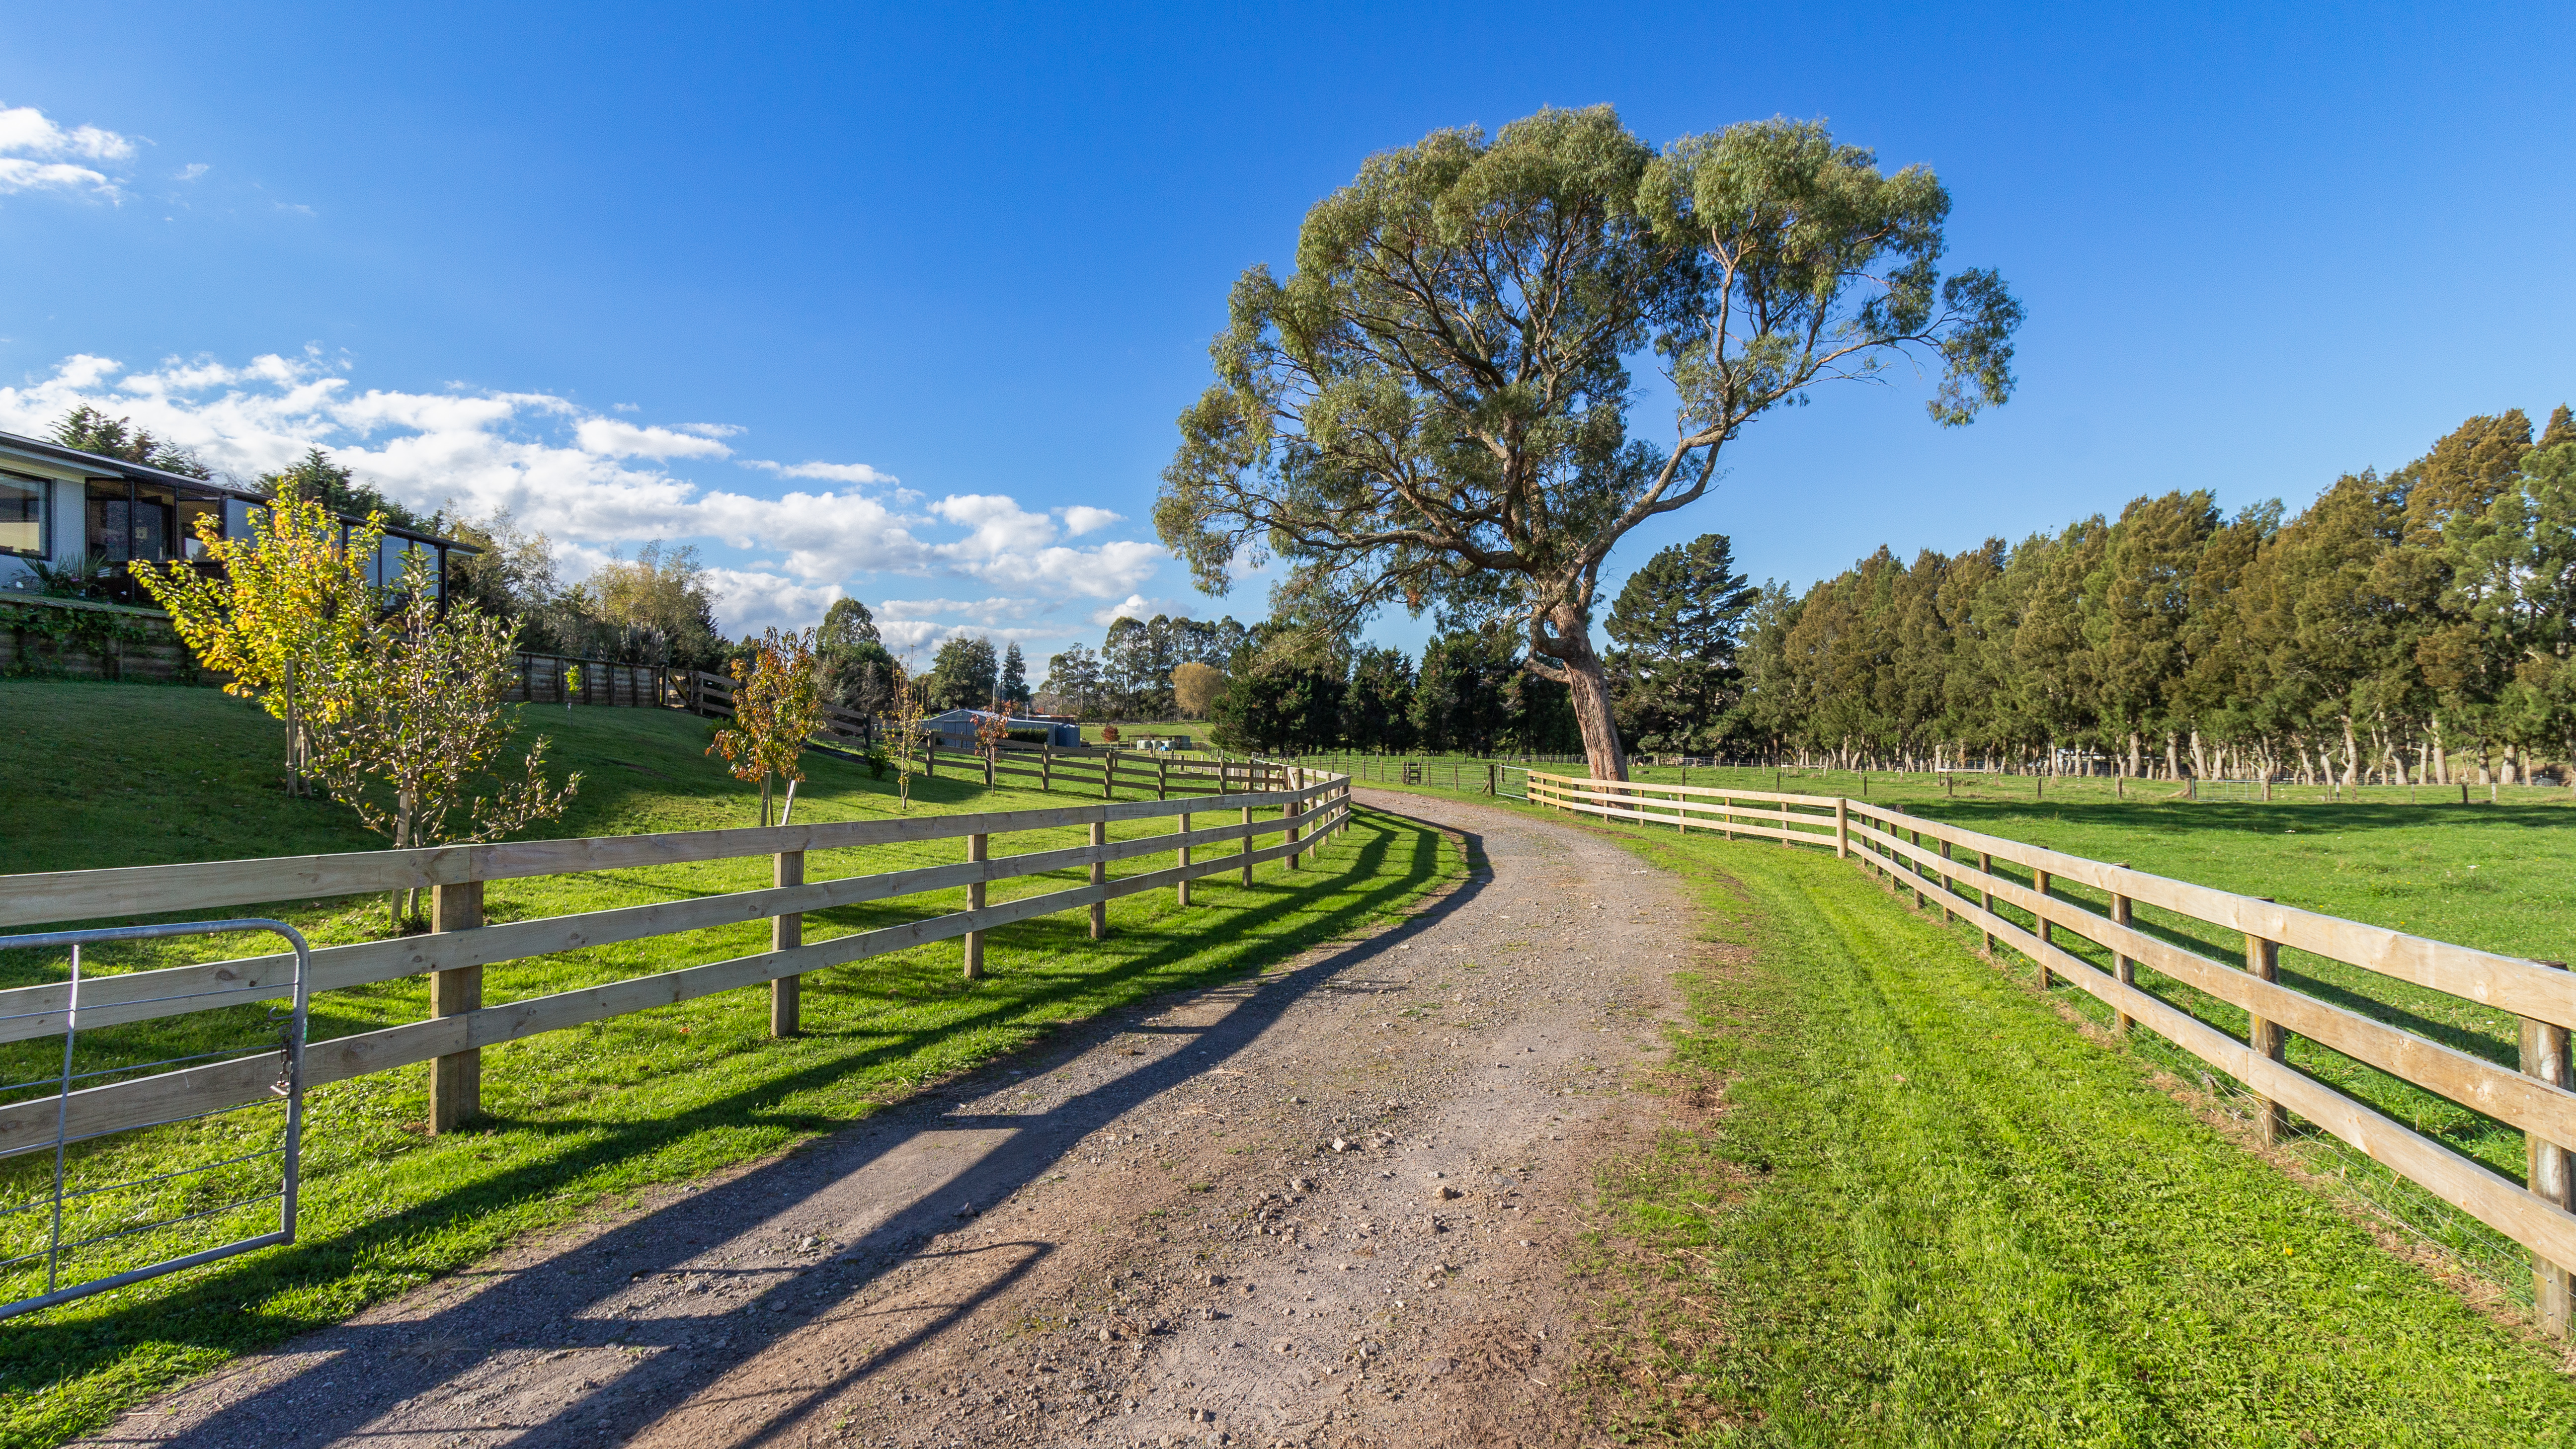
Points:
(1432, 407)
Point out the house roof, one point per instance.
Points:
(100, 465)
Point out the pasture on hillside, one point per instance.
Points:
(117, 775)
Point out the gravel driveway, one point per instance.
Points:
(1332, 1206)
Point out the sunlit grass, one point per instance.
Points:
(575, 1115)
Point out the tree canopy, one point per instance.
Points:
(1432, 408)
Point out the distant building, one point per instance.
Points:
(59, 506)
(957, 729)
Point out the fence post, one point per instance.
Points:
(1289, 813)
(455, 1080)
(2047, 938)
(1247, 845)
(1947, 890)
(1914, 868)
(1099, 877)
(1493, 778)
(1163, 778)
(2122, 968)
(1046, 767)
(1986, 866)
(2263, 963)
(1108, 773)
(1842, 828)
(1182, 889)
(975, 845)
(2551, 1176)
(786, 993)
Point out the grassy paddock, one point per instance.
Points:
(123, 775)
(2492, 876)
(1920, 1210)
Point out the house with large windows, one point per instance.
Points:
(87, 515)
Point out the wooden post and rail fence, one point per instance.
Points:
(2538, 1096)
(1294, 805)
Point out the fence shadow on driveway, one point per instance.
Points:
(567, 1300)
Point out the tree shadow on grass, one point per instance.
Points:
(224, 1311)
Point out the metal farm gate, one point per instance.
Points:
(76, 1235)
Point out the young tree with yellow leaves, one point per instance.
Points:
(289, 611)
(421, 720)
(777, 706)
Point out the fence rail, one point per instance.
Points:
(1958, 867)
(1309, 805)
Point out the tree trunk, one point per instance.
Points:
(1571, 647)
(1591, 690)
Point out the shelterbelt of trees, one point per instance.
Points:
(2415, 625)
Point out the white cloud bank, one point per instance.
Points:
(600, 485)
(38, 154)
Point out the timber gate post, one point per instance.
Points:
(2263, 963)
(975, 854)
(2123, 969)
(2039, 880)
(787, 993)
(1247, 845)
(1842, 828)
(1099, 877)
(455, 1080)
(1986, 867)
(2551, 1175)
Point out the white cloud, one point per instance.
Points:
(600, 485)
(38, 154)
(29, 131)
(829, 472)
(980, 611)
(1011, 547)
(1137, 606)
(611, 438)
(1079, 520)
(191, 171)
(759, 600)
(914, 641)
(19, 174)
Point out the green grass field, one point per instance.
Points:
(108, 775)
(1921, 1210)
(2499, 877)
(1847, 974)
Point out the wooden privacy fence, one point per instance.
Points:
(1960, 867)
(460, 945)
(549, 679)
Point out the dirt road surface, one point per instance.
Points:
(1330, 1206)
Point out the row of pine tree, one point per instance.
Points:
(2413, 626)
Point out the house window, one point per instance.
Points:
(130, 521)
(192, 509)
(22, 515)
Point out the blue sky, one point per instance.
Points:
(901, 302)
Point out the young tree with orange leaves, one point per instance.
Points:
(777, 706)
